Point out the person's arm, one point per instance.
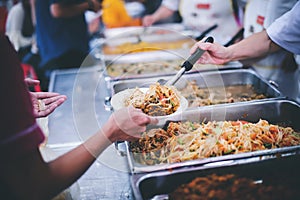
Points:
(30, 177)
(70, 10)
(33, 17)
(161, 13)
(256, 46)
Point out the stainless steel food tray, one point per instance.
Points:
(158, 57)
(138, 41)
(281, 112)
(205, 80)
(156, 30)
(157, 185)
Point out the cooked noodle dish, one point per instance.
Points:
(182, 141)
(158, 100)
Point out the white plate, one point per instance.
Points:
(118, 101)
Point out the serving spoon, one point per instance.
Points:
(186, 66)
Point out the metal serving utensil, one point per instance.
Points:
(187, 65)
(204, 33)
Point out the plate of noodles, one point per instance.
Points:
(159, 101)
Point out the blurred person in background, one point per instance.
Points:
(21, 32)
(23, 172)
(4, 7)
(62, 34)
(200, 15)
(282, 34)
(152, 5)
(259, 15)
(116, 15)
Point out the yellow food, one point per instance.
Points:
(126, 48)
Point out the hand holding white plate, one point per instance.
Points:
(118, 101)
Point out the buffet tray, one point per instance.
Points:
(280, 112)
(147, 64)
(142, 40)
(208, 79)
(156, 30)
(157, 185)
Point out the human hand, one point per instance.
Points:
(215, 53)
(127, 124)
(44, 103)
(148, 20)
(31, 82)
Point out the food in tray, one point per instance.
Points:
(159, 100)
(198, 96)
(128, 47)
(183, 141)
(232, 186)
(158, 66)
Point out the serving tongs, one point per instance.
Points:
(204, 33)
(187, 65)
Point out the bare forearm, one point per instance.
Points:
(32, 5)
(36, 179)
(61, 10)
(256, 46)
(30, 177)
(162, 13)
(69, 167)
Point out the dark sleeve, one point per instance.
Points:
(20, 133)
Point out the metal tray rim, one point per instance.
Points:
(262, 154)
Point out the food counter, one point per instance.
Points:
(114, 176)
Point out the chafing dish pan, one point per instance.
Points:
(155, 30)
(139, 43)
(283, 173)
(207, 80)
(152, 64)
(280, 112)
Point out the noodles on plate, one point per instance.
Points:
(159, 100)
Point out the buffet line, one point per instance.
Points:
(235, 131)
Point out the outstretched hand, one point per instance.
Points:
(44, 103)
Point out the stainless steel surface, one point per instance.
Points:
(134, 30)
(77, 119)
(280, 112)
(205, 80)
(159, 184)
(163, 55)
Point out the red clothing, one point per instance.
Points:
(20, 133)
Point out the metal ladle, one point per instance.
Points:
(187, 65)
